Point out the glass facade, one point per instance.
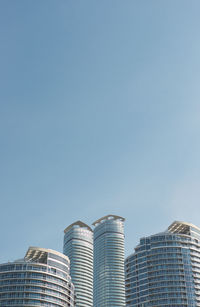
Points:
(40, 279)
(78, 246)
(109, 281)
(164, 270)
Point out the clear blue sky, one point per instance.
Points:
(99, 114)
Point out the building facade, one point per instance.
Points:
(109, 281)
(41, 278)
(164, 270)
(78, 246)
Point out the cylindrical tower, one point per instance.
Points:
(78, 246)
(109, 281)
(40, 279)
(164, 270)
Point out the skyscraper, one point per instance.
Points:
(109, 282)
(41, 278)
(164, 270)
(78, 246)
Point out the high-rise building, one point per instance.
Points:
(109, 282)
(78, 246)
(41, 278)
(164, 270)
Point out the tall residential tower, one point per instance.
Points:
(164, 270)
(41, 278)
(109, 283)
(78, 246)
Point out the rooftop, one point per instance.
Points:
(182, 227)
(39, 254)
(78, 223)
(108, 217)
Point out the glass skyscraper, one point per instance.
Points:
(109, 281)
(78, 246)
(164, 270)
(41, 278)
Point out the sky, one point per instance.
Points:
(99, 114)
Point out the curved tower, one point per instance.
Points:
(165, 269)
(78, 246)
(41, 278)
(109, 282)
